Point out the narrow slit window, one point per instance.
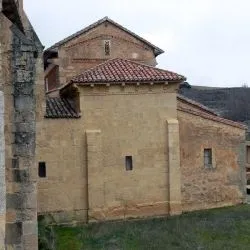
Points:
(248, 154)
(208, 160)
(107, 47)
(46, 84)
(42, 169)
(129, 163)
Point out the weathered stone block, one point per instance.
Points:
(30, 227)
(25, 149)
(14, 201)
(25, 127)
(24, 115)
(21, 61)
(24, 104)
(24, 76)
(27, 48)
(14, 233)
(20, 175)
(29, 200)
(26, 215)
(23, 88)
(30, 241)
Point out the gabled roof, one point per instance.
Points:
(121, 70)
(57, 107)
(195, 104)
(157, 51)
(230, 103)
(204, 112)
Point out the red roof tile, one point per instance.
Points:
(205, 112)
(196, 104)
(121, 70)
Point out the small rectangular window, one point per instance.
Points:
(208, 162)
(248, 154)
(42, 169)
(107, 47)
(46, 84)
(129, 163)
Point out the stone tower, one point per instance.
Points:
(20, 82)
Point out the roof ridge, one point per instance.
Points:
(124, 70)
(195, 103)
(147, 65)
(157, 51)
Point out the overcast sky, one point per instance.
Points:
(208, 41)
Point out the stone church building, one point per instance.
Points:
(102, 134)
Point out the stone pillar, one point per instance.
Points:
(21, 197)
(2, 170)
(242, 167)
(95, 177)
(174, 167)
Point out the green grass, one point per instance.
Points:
(225, 228)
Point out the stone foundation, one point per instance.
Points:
(130, 211)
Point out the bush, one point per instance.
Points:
(46, 234)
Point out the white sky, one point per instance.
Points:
(208, 41)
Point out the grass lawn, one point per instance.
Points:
(225, 228)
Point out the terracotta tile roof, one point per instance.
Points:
(157, 50)
(196, 104)
(57, 107)
(122, 70)
(206, 113)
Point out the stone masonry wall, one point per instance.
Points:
(222, 185)
(85, 158)
(20, 70)
(127, 121)
(5, 81)
(63, 192)
(21, 227)
(52, 79)
(2, 157)
(2, 170)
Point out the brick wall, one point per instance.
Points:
(87, 50)
(52, 79)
